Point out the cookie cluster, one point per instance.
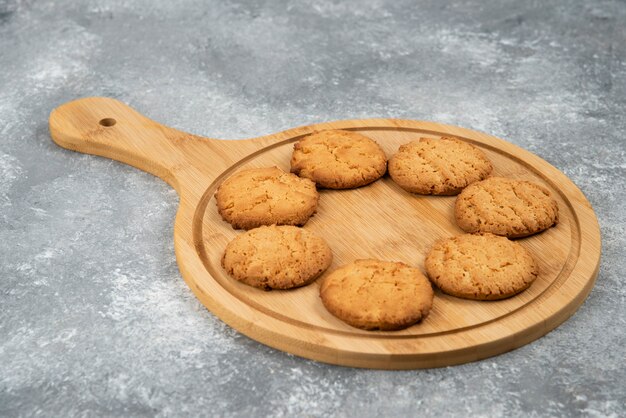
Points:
(483, 264)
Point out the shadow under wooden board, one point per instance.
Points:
(376, 221)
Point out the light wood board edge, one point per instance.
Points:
(181, 160)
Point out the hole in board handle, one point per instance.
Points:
(107, 122)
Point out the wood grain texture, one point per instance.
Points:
(377, 221)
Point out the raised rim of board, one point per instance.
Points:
(432, 350)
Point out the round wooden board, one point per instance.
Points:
(377, 221)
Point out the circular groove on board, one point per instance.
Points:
(224, 282)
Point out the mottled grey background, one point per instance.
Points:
(94, 317)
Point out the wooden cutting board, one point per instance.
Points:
(378, 221)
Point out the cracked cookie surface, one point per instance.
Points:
(276, 257)
(266, 196)
(508, 207)
(373, 294)
(438, 166)
(338, 159)
(480, 266)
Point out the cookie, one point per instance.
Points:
(480, 266)
(276, 257)
(374, 294)
(438, 166)
(338, 159)
(266, 196)
(513, 208)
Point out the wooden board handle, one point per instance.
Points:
(109, 128)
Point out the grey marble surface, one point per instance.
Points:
(94, 317)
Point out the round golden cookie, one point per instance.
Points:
(266, 196)
(276, 257)
(513, 208)
(374, 294)
(480, 266)
(338, 159)
(438, 166)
